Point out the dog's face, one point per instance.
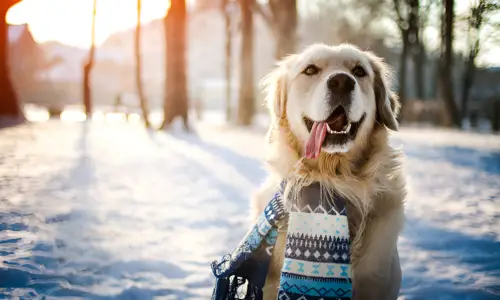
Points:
(341, 87)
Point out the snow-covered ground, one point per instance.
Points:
(108, 210)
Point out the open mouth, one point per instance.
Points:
(339, 129)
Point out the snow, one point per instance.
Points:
(108, 210)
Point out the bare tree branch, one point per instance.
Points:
(399, 17)
(266, 15)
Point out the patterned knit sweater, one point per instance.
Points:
(317, 254)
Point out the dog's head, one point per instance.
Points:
(333, 96)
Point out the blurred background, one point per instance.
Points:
(132, 135)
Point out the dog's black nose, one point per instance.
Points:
(341, 84)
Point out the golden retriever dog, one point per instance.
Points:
(331, 113)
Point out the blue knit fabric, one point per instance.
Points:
(317, 252)
(242, 274)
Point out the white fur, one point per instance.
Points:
(308, 95)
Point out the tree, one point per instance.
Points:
(246, 105)
(477, 19)
(9, 105)
(226, 6)
(446, 66)
(285, 22)
(407, 19)
(176, 94)
(281, 17)
(87, 69)
(420, 51)
(138, 67)
(326, 23)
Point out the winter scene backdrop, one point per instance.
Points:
(132, 136)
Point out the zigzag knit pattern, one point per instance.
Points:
(327, 248)
(317, 254)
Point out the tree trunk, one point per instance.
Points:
(476, 18)
(87, 93)
(138, 67)
(419, 56)
(87, 70)
(403, 68)
(176, 95)
(447, 66)
(9, 105)
(285, 22)
(227, 21)
(495, 115)
(246, 107)
(408, 19)
(420, 61)
(467, 84)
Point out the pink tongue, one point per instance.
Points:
(316, 138)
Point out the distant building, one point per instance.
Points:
(24, 56)
(28, 63)
(25, 60)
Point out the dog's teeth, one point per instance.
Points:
(348, 128)
(329, 129)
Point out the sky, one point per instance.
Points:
(69, 21)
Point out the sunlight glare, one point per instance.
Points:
(70, 20)
(36, 114)
(115, 117)
(134, 118)
(98, 116)
(73, 116)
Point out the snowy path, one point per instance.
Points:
(108, 210)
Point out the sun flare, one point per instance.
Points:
(69, 21)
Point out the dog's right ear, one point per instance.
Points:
(274, 85)
(275, 88)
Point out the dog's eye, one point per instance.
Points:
(358, 71)
(311, 70)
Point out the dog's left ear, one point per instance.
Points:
(387, 101)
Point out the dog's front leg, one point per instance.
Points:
(376, 267)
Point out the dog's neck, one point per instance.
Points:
(359, 164)
(351, 175)
(314, 195)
